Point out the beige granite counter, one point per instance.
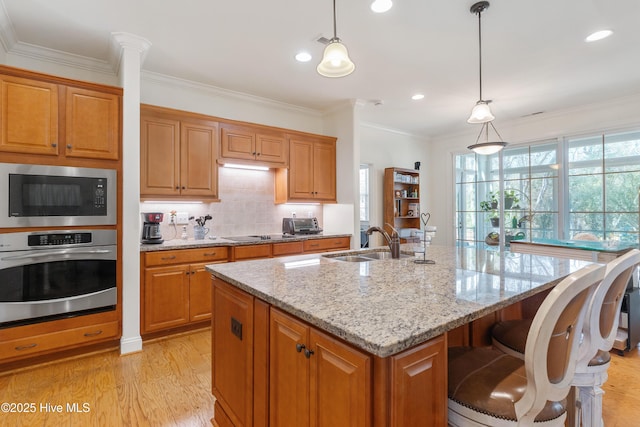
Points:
(386, 306)
(219, 241)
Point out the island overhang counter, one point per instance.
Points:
(394, 314)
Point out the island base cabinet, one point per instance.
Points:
(315, 380)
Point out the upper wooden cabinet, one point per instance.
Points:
(178, 156)
(43, 117)
(248, 145)
(312, 171)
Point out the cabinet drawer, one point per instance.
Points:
(185, 256)
(289, 248)
(323, 245)
(251, 252)
(41, 343)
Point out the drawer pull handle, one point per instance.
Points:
(314, 245)
(26, 347)
(93, 334)
(168, 257)
(211, 254)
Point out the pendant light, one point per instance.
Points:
(335, 60)
(481, 113)
(487, 147)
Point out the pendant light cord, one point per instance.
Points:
(335, 31)
(479, 49)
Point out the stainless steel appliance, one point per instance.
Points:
(50, 274)
(151, 227)
(300, 226)
(52, 196)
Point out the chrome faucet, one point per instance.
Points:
(393, 241)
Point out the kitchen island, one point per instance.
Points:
(313, 340)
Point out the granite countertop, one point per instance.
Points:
(219, 241)
(386, 306)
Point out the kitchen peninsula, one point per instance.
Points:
(315, 340)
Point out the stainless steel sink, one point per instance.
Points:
(383, 255)
(351, 258)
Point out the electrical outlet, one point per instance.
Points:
(182, 218)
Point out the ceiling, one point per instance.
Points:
(534, 55)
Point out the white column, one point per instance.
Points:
(132, 51)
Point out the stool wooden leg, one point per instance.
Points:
(591, 402)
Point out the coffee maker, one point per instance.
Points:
(151, 227)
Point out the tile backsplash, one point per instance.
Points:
(246, 207)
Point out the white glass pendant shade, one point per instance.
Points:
(481, 113)
(487, 148)
(335, 60)
(381, 6)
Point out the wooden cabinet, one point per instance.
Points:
(176, 288)
(43, 338)
(178, 156)
(326, 245)
(32, 111)
(247, 252)
(253, 146)
(312, 171)
(401, 199)
(314, 379)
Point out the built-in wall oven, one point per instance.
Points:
(45, 275)
(56, 196)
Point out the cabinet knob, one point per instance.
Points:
(300, 347)
(177, 188)
(183, 187)
(69, 146)
(308, 353)
(258, 154)
(53, 144)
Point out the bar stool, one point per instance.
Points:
(598, 335)
(488, 387)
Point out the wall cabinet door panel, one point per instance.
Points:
(198, 156)
(160, 156)
(29, 116)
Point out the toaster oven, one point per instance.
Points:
(300, 226)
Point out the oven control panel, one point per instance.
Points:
(55, 239)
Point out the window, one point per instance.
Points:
(596, 195)
(364, 192)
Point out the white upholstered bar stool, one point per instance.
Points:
(599, 334)
(488, 387)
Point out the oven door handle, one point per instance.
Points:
(56, 253)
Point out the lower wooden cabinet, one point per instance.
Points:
(315, 379)
(42, 338)
(272, 369)
(326, 245)
(177, 291)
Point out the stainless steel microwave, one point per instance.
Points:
(43, 196)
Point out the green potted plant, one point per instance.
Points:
(495, 219)
(510, 198)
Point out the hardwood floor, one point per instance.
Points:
(169, 384)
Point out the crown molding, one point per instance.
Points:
(154, 77)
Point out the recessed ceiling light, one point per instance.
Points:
(598, 35)
(381, 6)
(417, 96)
(303, 57)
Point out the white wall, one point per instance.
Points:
(383, 148)
(615, 114)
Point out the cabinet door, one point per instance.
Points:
(166, 297)
(272, 149)
(419, 385)
(237, 143)
(324, 171)
(198, 159)
(28, 116)
(93, 124)
(159, 156)
(300, 169)
(340, 384)
(232, 353)
(288, 372)
(199, 293)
